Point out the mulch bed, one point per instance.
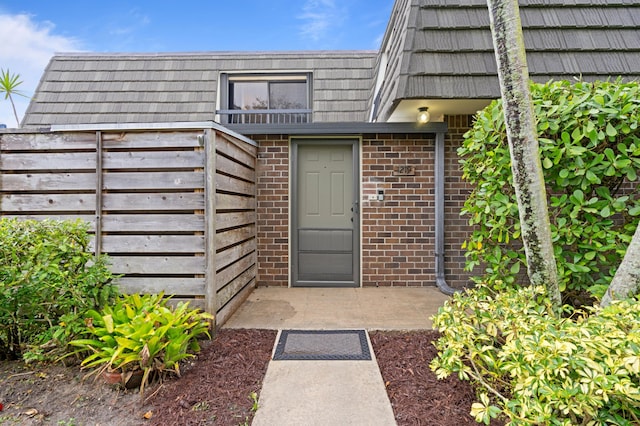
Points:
(417, 396)
(218, 391)
(216, 386)
(235, 364)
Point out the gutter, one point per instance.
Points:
(439, 172)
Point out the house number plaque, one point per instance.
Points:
(404, 171)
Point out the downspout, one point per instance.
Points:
(439, 194)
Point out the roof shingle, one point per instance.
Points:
(116, 88)
(442, 49)
(432, 49)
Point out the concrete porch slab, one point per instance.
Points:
(375, 308)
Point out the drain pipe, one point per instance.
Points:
(439, 195)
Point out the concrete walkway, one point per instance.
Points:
(326, 393)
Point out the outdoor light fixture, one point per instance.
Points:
(423, 115)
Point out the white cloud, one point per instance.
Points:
(319, 17)
(32, 45)
(127, 30)
(129, 23)
(377, 42)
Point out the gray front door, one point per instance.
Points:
(325, 219)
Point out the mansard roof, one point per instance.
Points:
(183, 87)
(438, 50)
(442, 49)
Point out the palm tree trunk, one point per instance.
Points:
(626, 281)
(15, 113)
(528, 178)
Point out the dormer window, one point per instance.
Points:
(266, 98)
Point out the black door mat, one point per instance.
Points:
(322, 345)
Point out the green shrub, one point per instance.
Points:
(535, 368)
(142, 333)
(590, 150)
(48, 278)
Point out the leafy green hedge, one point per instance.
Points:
(590, 147)
(535, 368)
(48, 277)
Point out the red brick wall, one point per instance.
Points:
(456, 192)
(398, 234)
(273, 209)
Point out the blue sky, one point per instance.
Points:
(31, 31)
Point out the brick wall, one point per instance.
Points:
(273, 209)
(398, 234)
(456, 192)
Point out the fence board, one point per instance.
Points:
(225, 312)
(235, 219)
(47, 202)
(157, 264)
(194, 303)
(229, 184)
(234, 236)
(234, 202)
(230, 255)
(153, 222)
(48, 161)
(230, 290)
(179, 286)
(153, 160)
(48, 141)
(86, 218)
(246, 154)
(230, 167)
(153, 180)
(50, 182)
(227, 275)
(153, 243)
(154, 140)
(153, 202)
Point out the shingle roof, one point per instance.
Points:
(442, 49)
(142, 88)
(433, 49)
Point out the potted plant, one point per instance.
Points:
(141, 335)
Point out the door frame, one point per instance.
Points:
(355, 143)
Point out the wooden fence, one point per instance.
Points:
(174, 209)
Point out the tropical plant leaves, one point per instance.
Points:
(590, 151)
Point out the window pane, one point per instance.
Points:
(288, 95)
(249, 95)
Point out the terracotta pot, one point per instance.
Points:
(128, 379)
